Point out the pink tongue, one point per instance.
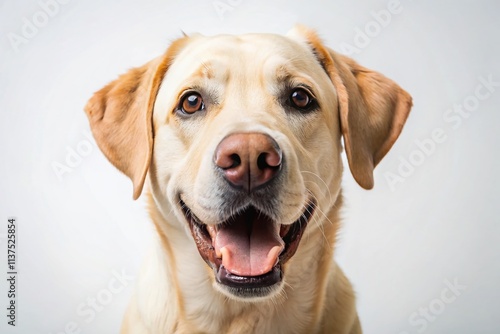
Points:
(250, 245)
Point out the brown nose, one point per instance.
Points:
(248, 160)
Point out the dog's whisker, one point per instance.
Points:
(325, 216)
(318, 223)
(328, 220)
(322, 229)
(317, 220)
(321, 179)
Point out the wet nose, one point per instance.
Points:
(248, 160)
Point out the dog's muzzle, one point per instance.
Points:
(247, 250)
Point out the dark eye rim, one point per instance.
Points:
(180, 107)
(311, 105)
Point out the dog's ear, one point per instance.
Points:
(120, 116)
(372, 108)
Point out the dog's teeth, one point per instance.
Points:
(212, 231)
(218, 252)
(284, 230)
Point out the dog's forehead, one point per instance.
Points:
(238, 69)
(222, 53)
(253, 44)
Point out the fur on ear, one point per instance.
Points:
(372, 108)
(120, 116)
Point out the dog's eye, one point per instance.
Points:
(192, 103)
(301, 99)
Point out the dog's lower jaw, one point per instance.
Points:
(175, 292)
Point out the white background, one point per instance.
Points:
(399, 244)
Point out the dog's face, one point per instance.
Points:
(240, 136)
(255, 125)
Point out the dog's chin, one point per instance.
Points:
(247, 251)
(249, 288)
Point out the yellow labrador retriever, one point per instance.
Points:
(239, 139)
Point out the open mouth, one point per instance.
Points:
(247, 250)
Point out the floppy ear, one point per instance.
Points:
(120, 116)
(372, 108)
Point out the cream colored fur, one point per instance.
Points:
(135, 124)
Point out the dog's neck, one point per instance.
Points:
(183, 284)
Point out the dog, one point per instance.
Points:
(239, 141)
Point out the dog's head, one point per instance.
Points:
(241, 138)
